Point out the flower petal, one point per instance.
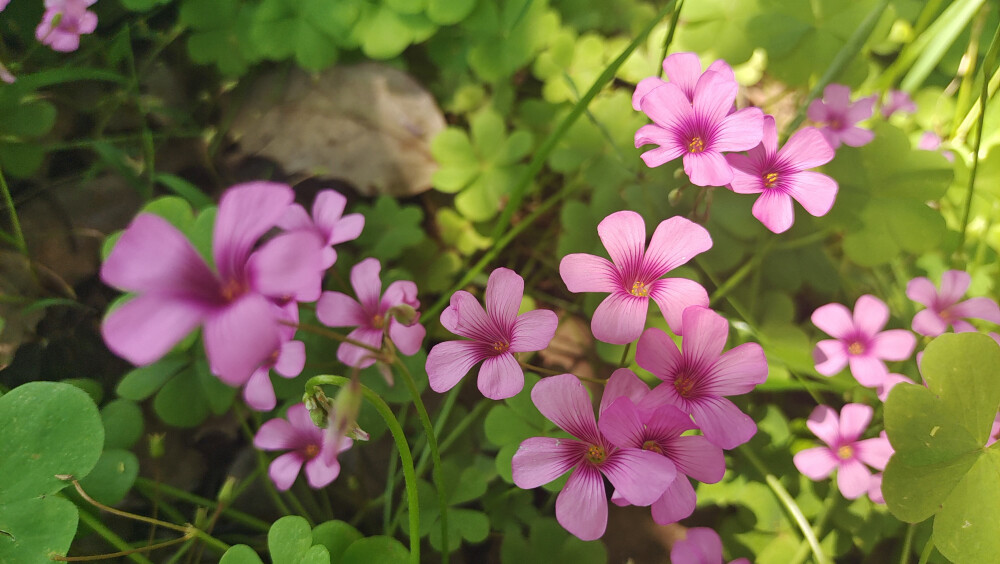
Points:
(773, 208)
(360, 357)
(738, 371)
(500, 377)
(146, 327)
(328, 206)
(673, 296)
(285, 469)
(824, 422)
(675, 241)
(698, 458)
(853, 479)
(258, 391)
(806, 149)
(624, 236)
(977, 308)
(894, 344)
(928, 323)
(582, 508)
(677, 503)
(321, 473)
(288, 265)
(684, 70)
(292, 359)
(240, 337)
(834, 319)
(705, 336)
(816, 192)
(830, 357)
(723, 423)
(874, 452)
(533, 330)
(856, 136)
(587, 273)
(620, 423)
(708, 168)
(954, 284)
(467, 318)
(666, 106)
(854, 419)
(739, 131)
(815, 463)
(449, 362)
(246, 212)
(335, 309)
(640, 476)
(347, 229)
(644, 87)
(407, 339)
(668, 150)
(868, 370)
(623, 383)
(276, 434)
(620, 318)
(367, 284)
(657, 353)
(870, 314)
(539, 460)
(713, 98)
(400, 292)
(563, 400)
(701, 546)
(504, 292)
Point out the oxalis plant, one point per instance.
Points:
(613, 251)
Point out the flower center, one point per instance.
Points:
(696, 145)
(500, 347)
(596, 454)
(836, 124)
(378, 322)
(639, 289)
(311, 451)
(684, 384)
(653, 446)
(855, 348)
(770, 179)
(233, 289)
(845, 452)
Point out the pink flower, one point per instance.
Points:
(698, 378)
(899, 101)
(309, 445)
(497, 333)
(328, 222)
(840, 116)
(944, 309)
(630, 422)
(5, 75)
(780, 176)
(3, 4)
(682, 69)
(700, 545)
(640, 476)
(891, 381)
(859, 340)
(875, 489)
(236, 304)
(64, 22)
(288, 360)
(699, 129)
(633, 275)
(371, 314)
(843, 451)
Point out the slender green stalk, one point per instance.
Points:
(15, 225)
(392, 479)
(928, 550)
(824, 514)
(146, 485)
(537, 162)
(624, 361)
(793, 508)
(839, 63)
(674, 18)
(432, 443)
(409, 475)
(211, 541)
(904, 557)
(95, 524)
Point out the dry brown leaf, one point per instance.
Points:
(368, 124)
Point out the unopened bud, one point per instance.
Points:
(318, 405)
(357, 433)
(227, 491)
(201, 518)
(404, 314)
(156, 446)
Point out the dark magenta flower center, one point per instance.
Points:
(652, 445)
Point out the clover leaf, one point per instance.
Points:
(221, 33)
(942, 466)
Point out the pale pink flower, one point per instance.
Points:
(236, 303)
(875, 489)
(844, 451)
(682, 69)
(328, 222)
(859, 340)
(497, 333)
(309, 446)
(6, 76)
(780, 176)
(699, 129)
(64, 22)
(700, 545)
(899, 101)
(371, 315)
(633, 275)
(944, 307)
(698, 378)
(3, 4)
(287, 360)
(891, 381)
(629, 420)
(640, 476)
(841, 116)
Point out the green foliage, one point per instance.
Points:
(221, 33)
(291, 541)
(51, 430)
(505, 35)
(941, 467)
(390, 228)
(310, 31)
(549, 542)
(24, 117)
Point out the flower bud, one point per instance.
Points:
(318, 405)
(156, 447)
(404, 314)
(227, 491)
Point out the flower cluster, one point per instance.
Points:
(64, 22)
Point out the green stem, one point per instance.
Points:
(95, 524)
(15, 225)
(839, 63)
(786, 499)
(542, 154)
(211, 541)
(409, 475)
(145, 485)
(670, 33)
(824, 514)
(391, 481)
(432, 443)
(624, 361)
(928, 550)
(904, 557)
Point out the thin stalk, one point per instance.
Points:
(793, 508)
(432, 443)
(538, 369)
(839, 63)
(119, 553)
(391, 481)
(166, 525)
(409, 475)
(904, 557)
(323, 332)
(145, 485)
(95, 524)
(15, 225)
(674, 18)
(624, 361)
(928, 550)
(542, 154)
(824, 513)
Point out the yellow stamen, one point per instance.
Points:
(652, 446)
(311, 451)
(639, 289)
(845, 452)
(232, 290)
(501, 346)
(596, 454)
(855, 348)
(770, 179)
(378, 322)
(684, 384)
(696, 145)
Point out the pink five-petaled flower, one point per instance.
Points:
(840, 116)
(899, 101)
(371, 315)
(682, 69)
(328, 222)
(640, 476)
(859, 340)
(630, 422)
(309, 445)
(843, 451)
(177, 291)
(497, 333)
(944, 309)
(288, 360)
(697, 378)
(780, 176)
(633, 274)
(64, 22)
(700, 129)
(700, 545)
